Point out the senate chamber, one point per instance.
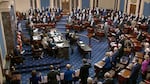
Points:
(74, 41)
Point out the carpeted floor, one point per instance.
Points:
(75, 59)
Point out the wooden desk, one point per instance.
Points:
(143, 27)
(100, 33)
(137, 46)
(120, 66)
(139, 55)
(130, 66)
(68, 26)
(134, 40)
(112, 73)
(129, 36)
(85, 24)
(124, 75)
(99, 67)
(77, 27)
(99, 64)
(84, 48)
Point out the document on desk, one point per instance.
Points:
(60, 44)
(58, 39)
(36, 37)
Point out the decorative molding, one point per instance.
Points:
(118, 5)
(147, 1)
(91, 4)
(4, 6)
(80, 4)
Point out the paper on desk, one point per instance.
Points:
(80, 41)
(59, 44)
(82, 44)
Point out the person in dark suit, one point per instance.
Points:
(34, 79)
(84, 71)
(17, 51)
(51, 76)
(134, 72)
(67, 34)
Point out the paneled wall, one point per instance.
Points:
(45, 3)
(122, 3)
(22, 5)
(106, 4)
(85, 3)
(146, 10)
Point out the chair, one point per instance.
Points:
(36, 51)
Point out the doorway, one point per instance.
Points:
(132, 8)
(65, 6)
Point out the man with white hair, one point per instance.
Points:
(89, 80)
(147, 51)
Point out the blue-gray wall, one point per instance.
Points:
(85, 3)
(2, 43)
(122, 5)
(45, 3)
(146, 10)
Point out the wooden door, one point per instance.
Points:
(132, 8)
(66, 6)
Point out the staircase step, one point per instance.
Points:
(61, 27)
(37, 65)
(42, 68)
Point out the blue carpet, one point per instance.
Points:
(75, 59)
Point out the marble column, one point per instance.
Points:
(60, 4)
(91, 4)
(51, 3)
(38, 4)
(70, 2)
(80, 4)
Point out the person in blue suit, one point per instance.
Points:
(68, 75)
(108, 64)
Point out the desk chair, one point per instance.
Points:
(36, 52)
